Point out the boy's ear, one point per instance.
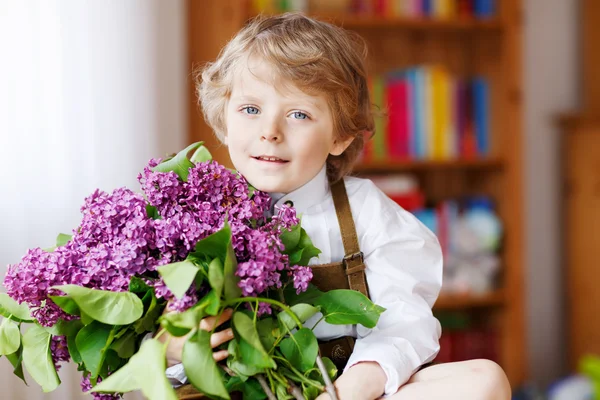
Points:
(339, 146)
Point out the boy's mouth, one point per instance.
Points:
(272, 159)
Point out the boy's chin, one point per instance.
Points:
(269, 187)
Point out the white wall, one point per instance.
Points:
(89, 91)
(551, 76)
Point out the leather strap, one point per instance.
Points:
(353, 260)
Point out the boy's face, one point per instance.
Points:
(278, 136)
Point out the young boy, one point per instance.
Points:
(288, 96)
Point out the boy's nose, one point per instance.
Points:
(271, 133)
(271, 137)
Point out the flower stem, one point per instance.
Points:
(270, 301)
(295, 391)
(328, 384)
(265, 387)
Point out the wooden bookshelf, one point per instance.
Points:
(374, 22)
(469, 301)
(466, 47)
(386, 167)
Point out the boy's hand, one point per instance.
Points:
(175, 346)
(364, 381)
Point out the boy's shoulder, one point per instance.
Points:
(363, 193)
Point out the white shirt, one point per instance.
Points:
(403, 262)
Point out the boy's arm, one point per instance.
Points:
(404, 273)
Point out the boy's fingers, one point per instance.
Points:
(209, 323)
(220, 355)
(218, 338)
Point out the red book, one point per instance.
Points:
(445, 354)
(398, 135)
(443, 228)
(379, 7)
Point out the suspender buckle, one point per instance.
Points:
(354, 262)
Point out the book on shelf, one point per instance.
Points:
(463, 338)
(416, 9)
(425, 113)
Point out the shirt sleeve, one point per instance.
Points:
(404, 272)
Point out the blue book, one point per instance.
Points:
(428, 7)
(411, 115)
(420, 151)
(481, 104)
(484, 8)
(428, 217)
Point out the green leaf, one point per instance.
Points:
(73, 351)
(243, 370)
(213, 303)
(281, 392)
(181, 323)
(65, 328)
(152, 212)
(92, 342)
(301, 349)
(349, 307)
(10, 308)
(214, 245)
(137, 285)
(113, 308)
(303, 312)
(179, 164)
(218, 245)
(112, 362)
(310, 392)
(250, 388)
(291, 238)
(268, 331)
(232, 290)
(67, 304)
(62, 239)
(179, 276)
(309, 296)
(16, 359)
(125, 345)
(201, 155)
(309, 251)
(244, 327)
(216, 277)
(253, 357)
(200, 366)
(37, 358)
(150, 318)
(330, 368)
(145, 371)
(86, 319)
(10, 337)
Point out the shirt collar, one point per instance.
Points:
(311, 193)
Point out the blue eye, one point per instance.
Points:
(299, 115)
(250, 110)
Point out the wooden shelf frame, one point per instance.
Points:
(467, 301)
(423, 24)
(392, 166)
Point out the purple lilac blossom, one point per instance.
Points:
(86, 386)
(59, 350)
(117, 239)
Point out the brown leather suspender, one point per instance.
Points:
(353, 261)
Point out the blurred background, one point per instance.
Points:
(491, 137)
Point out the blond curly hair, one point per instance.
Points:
(317, 57)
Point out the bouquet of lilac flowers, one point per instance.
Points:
(201, 240)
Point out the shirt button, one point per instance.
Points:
(289, 203)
